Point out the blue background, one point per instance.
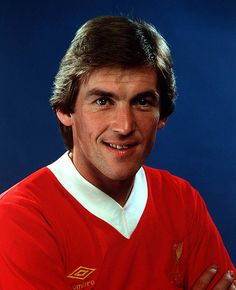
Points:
(199, 141)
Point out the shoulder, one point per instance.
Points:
(172, 191)
(27, 190)
(21, 204)
(30, 203)
(164, 179)
(179, 204)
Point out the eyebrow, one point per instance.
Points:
(98, 92)
(101, 93)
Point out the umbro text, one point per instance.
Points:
(84, 285)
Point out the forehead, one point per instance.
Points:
(117, 77)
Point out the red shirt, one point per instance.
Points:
(49, 241)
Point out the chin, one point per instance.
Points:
(122, 175)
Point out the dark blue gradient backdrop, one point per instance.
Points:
(199, 141)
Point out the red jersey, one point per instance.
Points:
(49, 241)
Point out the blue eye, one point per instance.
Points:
(102, 101)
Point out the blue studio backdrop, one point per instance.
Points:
(198, 142)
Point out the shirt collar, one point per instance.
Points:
(123, 219)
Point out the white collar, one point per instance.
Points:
(123, 219)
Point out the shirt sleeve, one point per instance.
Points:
(30, 257)
(205, 245)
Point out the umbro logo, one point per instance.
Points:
(81, 273)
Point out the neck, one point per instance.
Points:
(119, 190)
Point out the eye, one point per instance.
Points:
(102, 101)
(142, 101)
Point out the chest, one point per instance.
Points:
(95, 254)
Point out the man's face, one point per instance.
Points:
(114, 123)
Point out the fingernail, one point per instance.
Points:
(231, 273)
(229, 276)
(214, 269)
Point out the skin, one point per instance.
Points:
(114, 126)
(226, 282)
(114, 107)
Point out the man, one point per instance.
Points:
(97, 218)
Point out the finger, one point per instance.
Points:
(226, 282)
(205, 279)
(233, 286)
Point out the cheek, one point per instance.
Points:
(149, 130)
(149, 124)
(78, 126)
(88, 127)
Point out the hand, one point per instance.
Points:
(226, 282)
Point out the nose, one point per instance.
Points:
(123, 120)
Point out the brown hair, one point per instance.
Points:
(112, 41)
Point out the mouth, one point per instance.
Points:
(120, 146)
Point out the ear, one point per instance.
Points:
(65, 119)
(161, 123)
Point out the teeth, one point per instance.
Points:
(119, 147)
